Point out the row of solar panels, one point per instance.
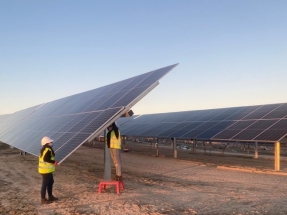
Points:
(73, 120)
(260, 123)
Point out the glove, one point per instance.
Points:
(56, 163)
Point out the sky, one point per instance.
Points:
(230, 53)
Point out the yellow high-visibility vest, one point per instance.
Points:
(45, 167)
(114, 142)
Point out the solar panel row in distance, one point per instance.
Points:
(264, 123)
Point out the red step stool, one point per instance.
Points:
(118, 184)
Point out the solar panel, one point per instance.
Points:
(261, 111)
(73, 120)
(276, 131)
(279, 112)
(9, 120)
(264, 123)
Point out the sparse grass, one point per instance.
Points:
(3, 146)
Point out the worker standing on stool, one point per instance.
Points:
(114, 144)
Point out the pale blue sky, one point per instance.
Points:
(230, 52)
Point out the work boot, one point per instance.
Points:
(52, 198)
(45, 201)
(119, 178)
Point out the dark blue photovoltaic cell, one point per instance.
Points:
(96, 122)
(179, 133)
(279, 125)
(160, 129)
(110, 101)
(211, 114)
(173, 117)
(247, 135)
(128, 127)
(172, 130)
(244, 111)
(192, 134)
(198, 130)
(193, 125)
(73, 120)
(261, 112)
(206, 125)
(235, 128)
(135, 82)
(271, 135)
(278, 113)
(262, 124)
(130, 96)
(70, 145)
(207, 134)
(140, 129)
(228, 112)
(223, 125)
(12, 119)
(156, 74)
(239, 125)
(195, 115)
(146, 128)
(226, 134)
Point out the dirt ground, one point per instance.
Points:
(191, 184)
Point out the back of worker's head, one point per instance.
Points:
(113, 126)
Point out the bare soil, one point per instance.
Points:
(194, 183)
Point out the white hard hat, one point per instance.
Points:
(46, 140)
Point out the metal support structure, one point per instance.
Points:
(174, 148)
(225, 145)
(277, 156)
(194, 146)
(107, 160)
(210, 146)
(256, 150)
(204, 147)
(156, 146)
(124, 140)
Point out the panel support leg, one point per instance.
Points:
(194, 146)
(156, 146)
(204, 147)
(256, 150)
(107, 161)
(174, 148)
(277, 156)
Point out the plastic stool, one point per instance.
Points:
(118, 184)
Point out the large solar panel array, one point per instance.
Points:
(73, 120)
(261, 123)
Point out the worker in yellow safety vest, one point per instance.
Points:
(46, 168)
(114, 143)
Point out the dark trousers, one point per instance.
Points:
(47, 184)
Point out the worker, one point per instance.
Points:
(114, 144)
(46, 168)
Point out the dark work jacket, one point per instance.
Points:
(49, 154)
